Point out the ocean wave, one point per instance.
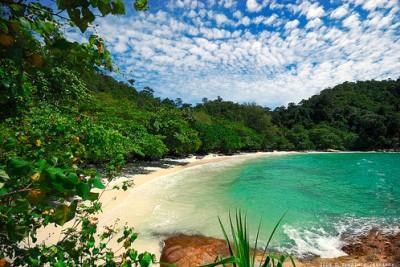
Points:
(327, 242)
(313, 242)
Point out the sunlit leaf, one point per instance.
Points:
(141, 5)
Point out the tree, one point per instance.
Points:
(42, 178)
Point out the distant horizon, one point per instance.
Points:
(254, 102)
(252, 51)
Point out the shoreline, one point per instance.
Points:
(189, 162)
(119, 204)
(116, 201)
(179, 164)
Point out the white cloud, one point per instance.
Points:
(189, 56)
(340, 12)
(228, 3)
(315, 11)
(255, 6)
(315, 23)
(221, 19)
(245, 21)
(292, 24)
(373, 4)
(237, 14)
(352, 21)
(309, 10)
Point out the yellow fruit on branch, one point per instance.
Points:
(15, 26)
(35, 196)
(36, 60)
(100, 48)
(38, 143)
(4, 263)
(35, 177)
(6, 40)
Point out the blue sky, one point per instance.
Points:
(264, 51)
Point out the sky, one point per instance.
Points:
(264, 51)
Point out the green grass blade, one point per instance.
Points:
(271, 235)
(226, 238)
(293, 263)
(231, 259)
(255, 245)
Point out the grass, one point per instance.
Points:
(242, 254)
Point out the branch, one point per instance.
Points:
(46, 10)
(16, 192)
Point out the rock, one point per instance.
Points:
(195, 250)
(381, 246)
(192, 250)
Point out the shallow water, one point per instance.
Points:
(326, 195)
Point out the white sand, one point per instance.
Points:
(115, 201)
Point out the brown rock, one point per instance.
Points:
(382, 247)
(375, 247)
(192, 250)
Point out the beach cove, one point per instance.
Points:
(149, 205)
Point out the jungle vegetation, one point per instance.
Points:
(62, 118)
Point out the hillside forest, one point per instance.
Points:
(63, 117)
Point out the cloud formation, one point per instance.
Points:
(254, 50)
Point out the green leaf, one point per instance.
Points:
(74, 14)
(3, 27)
(141, 5)
(62, 44)
(132, 253)
(145, 259)
(59, 264)
(97, 182)
(41, 164)
(73, 178)
(4, 176)
(18, 163)
(18, 167)
(25, 23)
(64, 213)
(87, 15)
(83, 190)
(118, 7)
(91, 242)
(93, 196)
(104, 7)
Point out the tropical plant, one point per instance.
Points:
(242, 253)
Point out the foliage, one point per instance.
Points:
(61, 118)
(47, 144)
(242, 254)
(353, 116)
(180, 139)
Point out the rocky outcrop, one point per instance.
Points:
(192, 250)
(375, 247)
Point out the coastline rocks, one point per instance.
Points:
(195, 250)
(192, 250)
(375, 246)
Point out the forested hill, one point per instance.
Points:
(61, 118)
(354, 116)
(114, 121)
(350, 116)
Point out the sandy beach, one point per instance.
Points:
(119, 204)
(133, 207)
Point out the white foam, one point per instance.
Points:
(328, 244)
(314, 242)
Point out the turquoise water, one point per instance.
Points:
(327, 196)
